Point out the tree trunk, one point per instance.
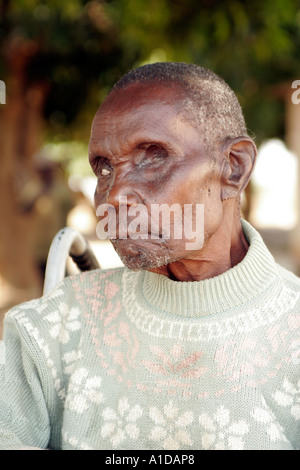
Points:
(20, 131)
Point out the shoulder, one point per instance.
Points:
(85, 283)
(60, 312)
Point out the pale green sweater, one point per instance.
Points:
(132, 360)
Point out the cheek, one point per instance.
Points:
(207, 192)
(100, 193)
(213, 212)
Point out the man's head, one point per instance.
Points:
(170, 134)
(207, 102)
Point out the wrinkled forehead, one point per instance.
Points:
(144, 113)
(146, 94)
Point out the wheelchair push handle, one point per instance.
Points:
(67, 242)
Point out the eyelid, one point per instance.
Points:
(147, 145)
(155, 147)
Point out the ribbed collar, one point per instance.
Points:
(235, 287)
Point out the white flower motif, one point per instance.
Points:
(69, 359)
(83, 390)
(220, 433)
(63, 321)
(75, 443)
(170, 429)
(289, 396)
(264, 416)
(121, 423)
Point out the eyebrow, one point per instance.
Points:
(136, 141)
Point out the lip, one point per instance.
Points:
(124, 233)
(138, 236)
(141, 238)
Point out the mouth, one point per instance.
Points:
(124, 232)
(138, 238)
(139, 222)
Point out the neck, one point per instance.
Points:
(224, 249)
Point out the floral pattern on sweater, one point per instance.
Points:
(128, 360)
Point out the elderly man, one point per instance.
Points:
(196, 345)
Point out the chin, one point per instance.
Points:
(137, 257)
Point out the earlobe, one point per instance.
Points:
(239, 159)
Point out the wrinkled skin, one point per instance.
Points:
(142, 148)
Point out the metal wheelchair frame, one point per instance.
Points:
(68, 242)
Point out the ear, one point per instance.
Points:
(239, 158)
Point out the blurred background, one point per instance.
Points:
(58, 61)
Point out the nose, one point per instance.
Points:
(123, 192)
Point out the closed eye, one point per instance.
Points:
(156, 150)
(154, 153)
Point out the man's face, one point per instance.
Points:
(144, 153)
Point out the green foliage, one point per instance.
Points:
(83, 47)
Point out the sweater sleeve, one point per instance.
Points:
(24, 419)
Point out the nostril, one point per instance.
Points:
(123, 197)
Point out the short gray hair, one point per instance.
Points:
(209, 104)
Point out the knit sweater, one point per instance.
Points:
(118, 359)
